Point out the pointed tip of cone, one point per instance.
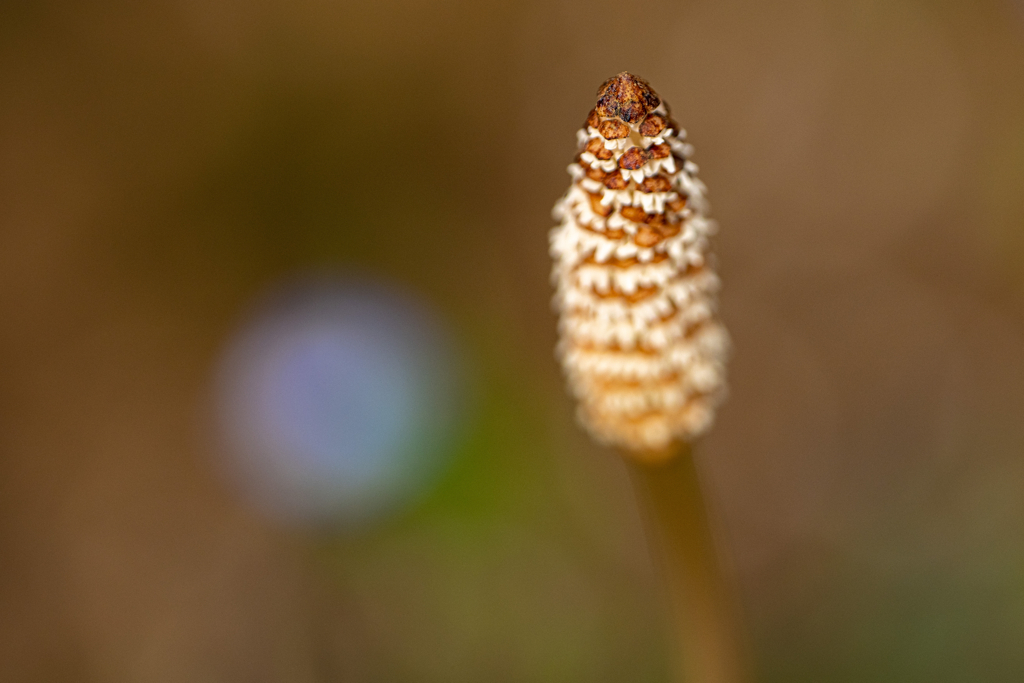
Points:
(626, 97)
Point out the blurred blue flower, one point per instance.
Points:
(338, 401)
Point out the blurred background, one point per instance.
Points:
(277, 393)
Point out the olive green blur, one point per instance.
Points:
(162, 163)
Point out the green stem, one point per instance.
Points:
(709, 638)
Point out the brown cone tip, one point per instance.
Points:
(626, 97)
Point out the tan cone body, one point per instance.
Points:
(640, 342)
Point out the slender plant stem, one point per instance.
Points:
(710, 641)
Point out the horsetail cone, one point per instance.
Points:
(640, 342)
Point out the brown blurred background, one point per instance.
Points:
(162, 163)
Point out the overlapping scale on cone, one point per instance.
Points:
(640, 342)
